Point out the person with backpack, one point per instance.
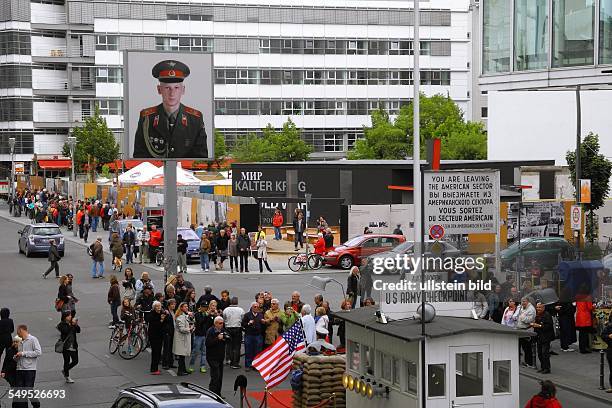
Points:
(54, 258)
(97, 257)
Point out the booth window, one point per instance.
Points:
(501, 376)
(468, 374)
(368, 360)
(354, 356)
(386, 367)
(396, 371)
(436, 386)
(411, 376)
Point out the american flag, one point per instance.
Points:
(274, 363)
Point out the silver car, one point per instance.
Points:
(35, 238)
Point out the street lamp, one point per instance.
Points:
(320, 283)
(71, 145)
(12, 149)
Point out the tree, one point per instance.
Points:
(95, 144)
(284, 145)
(384, 140)
(440, 118)
(596, 167)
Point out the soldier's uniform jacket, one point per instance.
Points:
(157, 138)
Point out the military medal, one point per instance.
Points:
(156, 121)
(184, 120)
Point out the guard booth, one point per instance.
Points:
(468, 363)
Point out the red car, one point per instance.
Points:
(352, 251)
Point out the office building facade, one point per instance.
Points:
(535, 54)
(324, 64)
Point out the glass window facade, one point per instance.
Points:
(605, 32)
(530, 34)
(496, 36)
(573, 36)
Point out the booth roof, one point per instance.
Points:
(410, 329)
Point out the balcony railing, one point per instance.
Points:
(48, 17)
(56, 51)
(62, 85)
(61, 116)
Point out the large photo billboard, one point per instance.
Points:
(169, 105)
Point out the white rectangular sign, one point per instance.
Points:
(462, 202)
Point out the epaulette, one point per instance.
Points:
(148, 111)
(193, 112)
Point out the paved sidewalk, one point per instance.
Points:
(280, 255)
(575, 372)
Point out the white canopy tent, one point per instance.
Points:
(145, 171)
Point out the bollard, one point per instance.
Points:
(601, 370)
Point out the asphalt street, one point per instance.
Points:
(99, 376)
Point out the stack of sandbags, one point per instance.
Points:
(322, 377)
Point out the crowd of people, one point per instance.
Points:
(204, 332)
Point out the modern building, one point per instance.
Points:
(324, 64)
(535, 53)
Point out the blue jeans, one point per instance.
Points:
(277, 234)
(204, 261)
(252, 347)
(114, 307)
(94, 269)
(128, 254)
(94, 223)
(199, 346)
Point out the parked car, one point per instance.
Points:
(352, 251)
(545, 251)
(168, 395)
(432, 249)
(193, 242)
(35, 238)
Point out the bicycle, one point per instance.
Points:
(305, 261)
(130, 344)
(115, 338)
(142, 327)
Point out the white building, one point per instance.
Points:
(534, 55)
(326, 64)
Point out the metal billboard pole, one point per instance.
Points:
(170, 218)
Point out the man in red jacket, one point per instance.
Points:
(155, 238)
(277, 223)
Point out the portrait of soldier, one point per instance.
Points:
(170, 129)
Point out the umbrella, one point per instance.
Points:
(546, 296)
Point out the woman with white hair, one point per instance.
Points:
(308, 324)
(272, 322)
(182, 337)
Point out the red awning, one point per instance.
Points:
(54, 164)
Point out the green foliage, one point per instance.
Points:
(106, 171)
(594, 166)
(220, 146)
(440, 118)
(384, 140)
(285, 145)
(95, 143)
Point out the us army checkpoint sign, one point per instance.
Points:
(462, 202)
